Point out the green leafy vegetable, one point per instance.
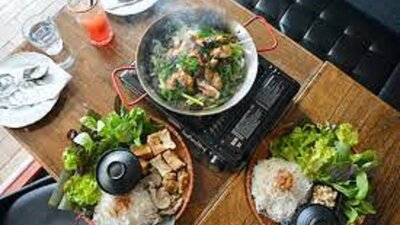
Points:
(188, 64)
(174, 95)
(82, 190)
(89, 122)
(365, 160)
(346, 134)
(362, 185)
(83, 139)
(161, 65)
(324, 154)
(126, 128)
(310, 146)
(99, 136)
(193, 100)
(71, 158)
(206, 31)
(351, 213)
(366, 207)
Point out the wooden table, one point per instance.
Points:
(218, 198)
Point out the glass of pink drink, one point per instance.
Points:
(92, 17)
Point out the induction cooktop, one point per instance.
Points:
(228, 139)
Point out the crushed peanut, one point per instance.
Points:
(324, 195)
(284, 180)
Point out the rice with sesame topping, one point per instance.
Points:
(279, 188)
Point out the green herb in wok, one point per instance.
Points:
(324, 154)
(188, 64)
(198, 68)
(97, 136)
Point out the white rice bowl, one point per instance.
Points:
(278, 205)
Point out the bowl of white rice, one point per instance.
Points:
(277, 188)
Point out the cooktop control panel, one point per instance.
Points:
(228, 139)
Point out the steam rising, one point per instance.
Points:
(164, 7)
(218, 16)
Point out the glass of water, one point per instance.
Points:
(42, 32)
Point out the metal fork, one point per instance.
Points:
(6, 89)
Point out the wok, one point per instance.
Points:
(164, 27)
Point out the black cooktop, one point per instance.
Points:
(228, 139)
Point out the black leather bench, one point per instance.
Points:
(336, 31)
(29, 206)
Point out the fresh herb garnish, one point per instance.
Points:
(114, 130)
(82, 190)
(188, 64)
(323, 152)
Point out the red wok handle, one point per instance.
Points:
(118, 87)
(268, 27)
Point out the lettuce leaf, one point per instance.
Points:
(126, 128)
(347, 134)
(82, 190)
(89, 122)
(310, 146)
(83, 139)
(71, 158)
(362, 185)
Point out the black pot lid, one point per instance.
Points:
(315, 214)
(118, 171)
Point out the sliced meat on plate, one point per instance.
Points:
(161, 166)
(160, 141)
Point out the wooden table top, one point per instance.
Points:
(216, 195)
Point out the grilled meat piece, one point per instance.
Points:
(160, 141)
(143, 151)
(170, 182)
(222, 52)
(173, 208)
(183, 180)
(208, 90)
(213, 78)
(161, 166)
(180, 77)
(160, 198)
(173, 160)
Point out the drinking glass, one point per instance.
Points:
(92, 17)
(42, 32)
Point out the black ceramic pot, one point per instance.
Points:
(118, 171)
(315, 214)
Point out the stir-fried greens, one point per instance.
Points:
(198, 68)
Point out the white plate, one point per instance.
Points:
(128, 10)
(27, 115)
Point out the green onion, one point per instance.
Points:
(193, 99)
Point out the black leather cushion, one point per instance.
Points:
(346, 52)
(391, 90)
(273, 11)
(334, 30)
(31, 209)
(372, 71)
(322, 37)
(296, 21)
